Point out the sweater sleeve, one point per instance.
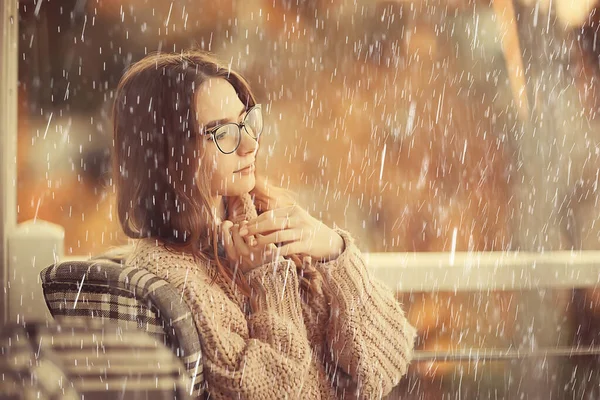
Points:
(368, 336)
(274, 359)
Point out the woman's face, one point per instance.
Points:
(217, 103)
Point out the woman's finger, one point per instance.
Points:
(228, 240)
(275, 213)
(293, 248)
(271, 248)
(239, 243)
(262, 253)
(288, 235)
(276, 252)
(269, 225)
(250, 239)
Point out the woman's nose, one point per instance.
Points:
(248, 144)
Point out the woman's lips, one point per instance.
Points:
(248, 170)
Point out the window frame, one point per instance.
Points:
(9, 54)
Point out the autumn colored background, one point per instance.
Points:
(409, 123)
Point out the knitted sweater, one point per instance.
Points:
(351, 341)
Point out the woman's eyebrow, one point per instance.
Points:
(214, 123)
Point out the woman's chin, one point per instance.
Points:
(241, 186)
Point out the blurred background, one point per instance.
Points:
(419, 126)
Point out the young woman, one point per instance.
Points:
(284, 305)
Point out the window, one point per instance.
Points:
(456, 140)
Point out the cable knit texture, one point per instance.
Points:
(353, 341)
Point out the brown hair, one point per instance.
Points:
(156, 159)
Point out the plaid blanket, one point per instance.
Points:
(87, 359)
(104, 289)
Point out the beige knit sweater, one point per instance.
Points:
(351, 342)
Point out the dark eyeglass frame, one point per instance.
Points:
(241, 125)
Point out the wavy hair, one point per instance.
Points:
(162, 192)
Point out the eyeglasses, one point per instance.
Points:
(228, 136)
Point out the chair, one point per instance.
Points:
(104, 288)
(86, 359)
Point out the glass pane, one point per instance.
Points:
(462, 126)
(513, 343)
(419, 126)
(536, 377)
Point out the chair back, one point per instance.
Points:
(84, 358)
(104, 288)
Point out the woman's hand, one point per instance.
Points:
(244, 253)
(294, 226)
